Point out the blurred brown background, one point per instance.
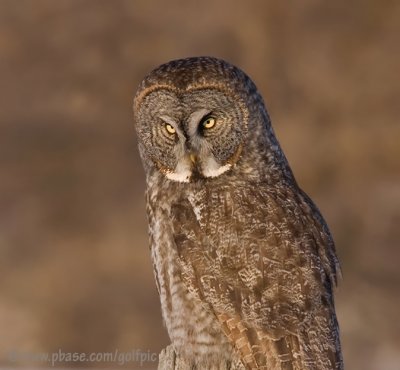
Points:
(75, 269)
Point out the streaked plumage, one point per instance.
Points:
(244, 262)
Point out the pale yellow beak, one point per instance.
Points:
(193, 158)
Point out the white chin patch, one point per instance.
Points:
(179, 176)
(182, 172)
(210, 168)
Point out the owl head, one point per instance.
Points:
(192, 117)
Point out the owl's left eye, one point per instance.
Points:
(171, 130)
(208, 122)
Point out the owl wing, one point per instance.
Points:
(263, 261)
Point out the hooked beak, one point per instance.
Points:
(193, 158)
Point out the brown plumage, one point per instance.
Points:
(244, 262)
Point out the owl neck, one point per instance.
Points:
(262, 157)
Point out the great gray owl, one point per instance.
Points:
(244, 262)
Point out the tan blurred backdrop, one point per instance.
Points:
(75, 271)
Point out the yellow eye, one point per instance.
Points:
(209, 122)
(170, 129)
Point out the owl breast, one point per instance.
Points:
(193, 329)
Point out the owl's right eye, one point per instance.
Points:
(170, 129)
